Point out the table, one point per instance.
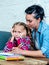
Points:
(45, 59)
(27, 61)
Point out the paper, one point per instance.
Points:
(6, 54)
(10, 56)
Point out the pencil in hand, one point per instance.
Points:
(20, 45)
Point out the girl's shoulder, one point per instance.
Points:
(24, 38)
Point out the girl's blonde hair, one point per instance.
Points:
(28, 31)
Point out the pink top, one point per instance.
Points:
(24, 41)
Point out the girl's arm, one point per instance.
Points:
(8, 46)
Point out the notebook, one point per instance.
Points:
(11, 56)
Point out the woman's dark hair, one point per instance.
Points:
(37, 10)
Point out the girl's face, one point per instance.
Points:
(19, 31)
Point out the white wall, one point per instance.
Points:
(13, 10)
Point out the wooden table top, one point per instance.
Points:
(27, 61)
(45, 59)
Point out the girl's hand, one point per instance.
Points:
(13, 35)
(16, 50)
(12, 31)
(12, 39)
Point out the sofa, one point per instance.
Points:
(4, 36)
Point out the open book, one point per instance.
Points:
(11, 56)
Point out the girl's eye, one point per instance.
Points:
(14, 31)
(19, 32)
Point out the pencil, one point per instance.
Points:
(20, 45)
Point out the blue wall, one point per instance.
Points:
(13, 10)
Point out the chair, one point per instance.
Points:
(4, 36)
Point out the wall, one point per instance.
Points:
(13, 10)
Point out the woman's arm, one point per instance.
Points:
(37, 53)
(33, 53)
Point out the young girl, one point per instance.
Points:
(20, 37)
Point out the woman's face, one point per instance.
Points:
(31, 21)
(19, 31)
